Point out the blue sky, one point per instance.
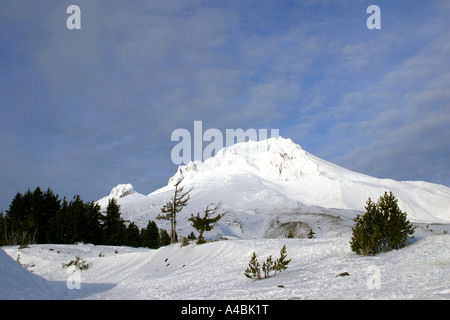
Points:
(84, 110)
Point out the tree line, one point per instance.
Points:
(42, 217)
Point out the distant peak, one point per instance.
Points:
(121, 190)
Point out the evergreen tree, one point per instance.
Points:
(58, 231)
(192, 236)
(76, 221)
(164, 238)
(44, 207)
(281, 263)
(2, 229)
(20, 226)
(207, 222)
(93, 228)
(150, 235)
(114, 225)
(268, 266)
(76, 218)
(132, 235)
(382, 227)
(28, 217)
(366, 237)
(253, 270)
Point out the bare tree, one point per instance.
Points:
(173, 206)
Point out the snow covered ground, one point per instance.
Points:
(215, 271)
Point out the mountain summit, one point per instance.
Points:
(274, 158)
(272, 185)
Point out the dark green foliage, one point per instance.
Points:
(132, 236)
(154, 238)
(58, 231)
(192, 236)
(78, 222)
(28, 217)
(164, 238)
(114, 226)
(43, 207)
(207, 222)
(268, 266)
(150, 235)
(383, 227)
(281, 263)
(2, 229)
(83, 222)
(41, 217)
(253, 270)
(93, 228)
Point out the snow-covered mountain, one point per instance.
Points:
(273, 186)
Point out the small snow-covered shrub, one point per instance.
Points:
(78, 263)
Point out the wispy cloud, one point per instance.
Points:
(85, 110)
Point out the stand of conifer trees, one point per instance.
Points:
(42, 217)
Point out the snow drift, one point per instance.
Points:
(215, 270)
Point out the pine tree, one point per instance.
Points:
(366, 235)
(150, 235)
(382, 227)
(164, 238)
(173, 207)
(206, 223)
(58, 231)
(29, 215)
(311, 234)
(132, 236)
(2, 229)
(268, 266)
(253, 270)
(78, 226)
(93, 229)
(114, 225)
(192, 236)
(398, 228)
(281, 263)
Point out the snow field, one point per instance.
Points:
(215, 271)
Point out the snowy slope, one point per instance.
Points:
(272, 186)
(18, 283)
(215, 271)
